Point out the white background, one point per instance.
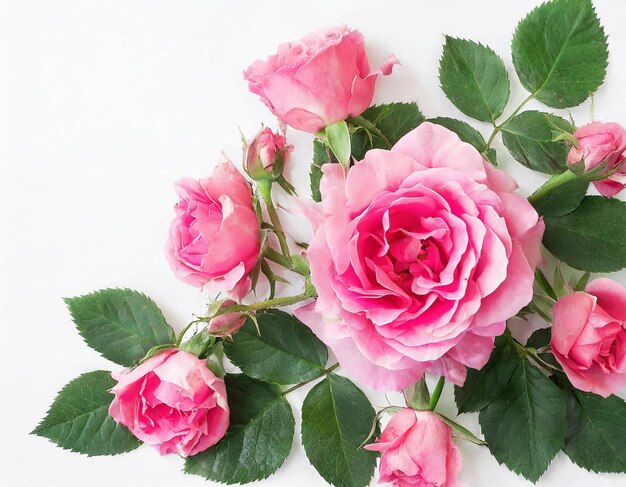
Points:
(104, 104)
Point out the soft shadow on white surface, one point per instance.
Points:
(104, 104)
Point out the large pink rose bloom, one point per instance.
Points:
(214, 240)
(172, 402)
(417, 450)
(589, 337)
(602, 143)
(319, 80)
(419, 256)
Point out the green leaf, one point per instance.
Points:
(491, 155)
(215, 361)
(560, 199)
(542, 282)
(540, 338)
(596, 432)
(461, 431)
(338, 137)
(321, 156)
(528, 137)
(525, 424)
(474, 78)
(381, 126)
(79, 420)
(482, 386)
(468, 134)
(282, 350)
(560, 52)
(258, 439)
(420, 399)
(560, 287)
(121, 324)
(591, 238)
(336, 420)
(582, 281)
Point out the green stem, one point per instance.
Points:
(542, 363)
(531, 354)
(434, 398)
(278, 227)
(298, 386)
(498, 128)
(268, 303)
(553, 182)
(181, 335)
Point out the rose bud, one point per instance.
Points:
(599, 156)
(589, 337)
(317, 81)
(227, 323)
(173, 402)
(416, 449)
(266, 154)
(214, 239)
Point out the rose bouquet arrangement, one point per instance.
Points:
(424, 259)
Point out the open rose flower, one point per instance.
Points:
(589, 337)
(319, 80)
(602, 143)
(419, 255)
(172, 402)
(214, 240)
(417, 450)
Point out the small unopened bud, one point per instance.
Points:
(266, 154)
(228, 323)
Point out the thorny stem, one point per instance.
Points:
(275, 219)
(268, 303)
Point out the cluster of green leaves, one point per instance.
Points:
(378, 127)
(276, 350)
(272, 351)
(560, 55)
(527, 417)
(124, 326)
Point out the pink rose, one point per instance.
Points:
(319, 80)
(589, 337)
(264, 151)
(172, 402)
(215, 237)
(419, 256)
(602, 143)
(227, 323)
(417, 450)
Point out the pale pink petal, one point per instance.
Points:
(435, 146)
(569, 317)
(356, 365)
(611, 296)
(379, 171)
